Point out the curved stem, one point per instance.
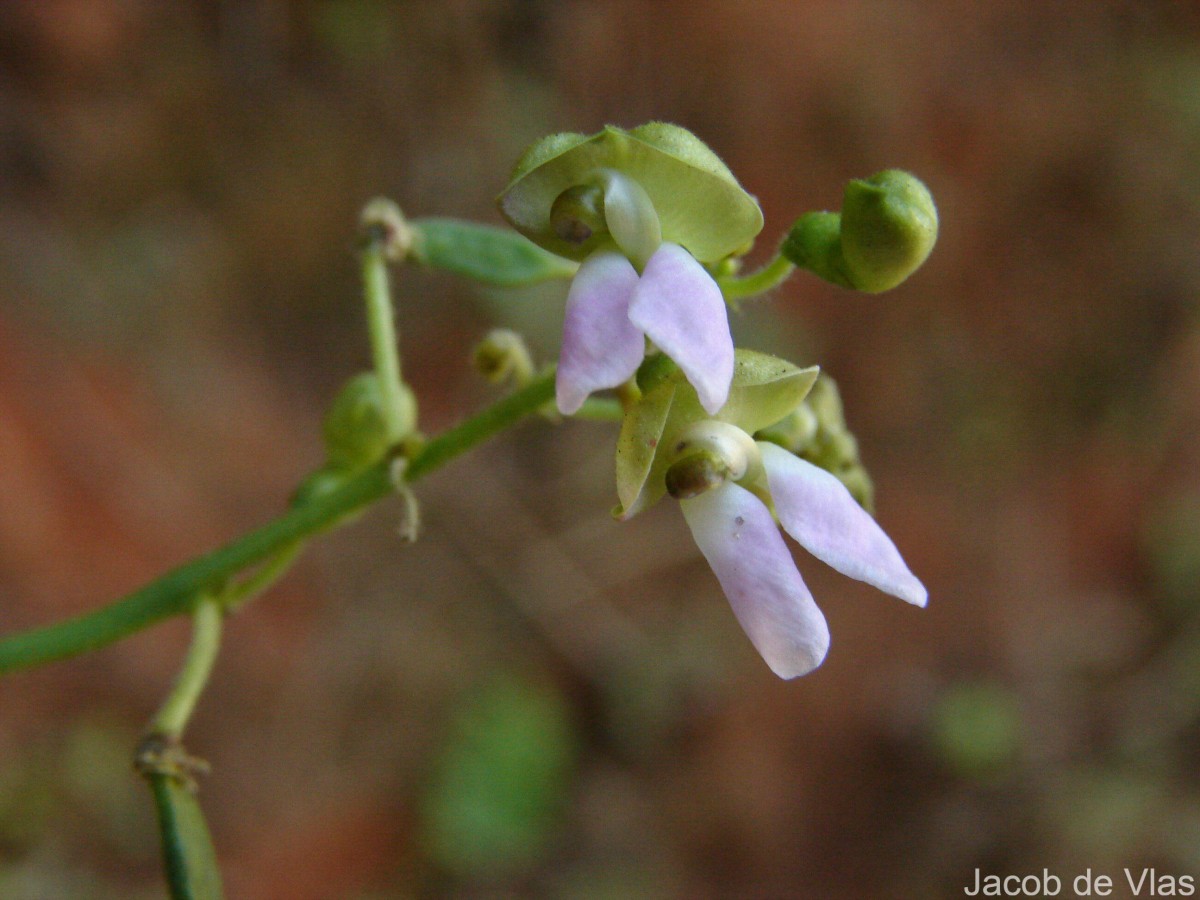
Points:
(176, 591)
(381, 325)
(773, 274)
(173, 715)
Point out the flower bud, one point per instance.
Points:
(885, 231)
(817, 432)
(381, 220)
(794, 431)
(503, 355)
(889, 227)
(355, 428)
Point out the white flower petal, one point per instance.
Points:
(817, 510)
(742, 543)
(601, 348)
(679, 307)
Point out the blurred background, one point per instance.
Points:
(536, 700)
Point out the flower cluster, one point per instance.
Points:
(650, 214)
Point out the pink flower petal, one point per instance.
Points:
(601, 348)
(817, 510)
(742, 543)
(679, 307)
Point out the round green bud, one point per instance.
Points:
(696, 474)
(889, 227)
(698, 201)
(355, 428)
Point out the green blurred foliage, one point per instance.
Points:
(500, 783)
(976, 729)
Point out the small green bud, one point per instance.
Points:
(503, 355)
(355, 428)
(383, 222)
(844, 443)
(889, 227)
(885, 231)
(826, 402)
(696, 474)
(794, 431)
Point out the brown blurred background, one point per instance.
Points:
(536, 700)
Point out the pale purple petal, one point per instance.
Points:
(679, 307)
(742, 543)
(601, 348)
(817, 510)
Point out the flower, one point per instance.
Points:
(611, 310)
(732, 489)
(737, 534)
(643, 210)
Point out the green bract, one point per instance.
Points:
(763, 391)
(699, 203)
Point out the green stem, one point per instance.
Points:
(272, 569)
(175, 592)
(173, 715)
(483, 425)
(770, 276)
(385, 348)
